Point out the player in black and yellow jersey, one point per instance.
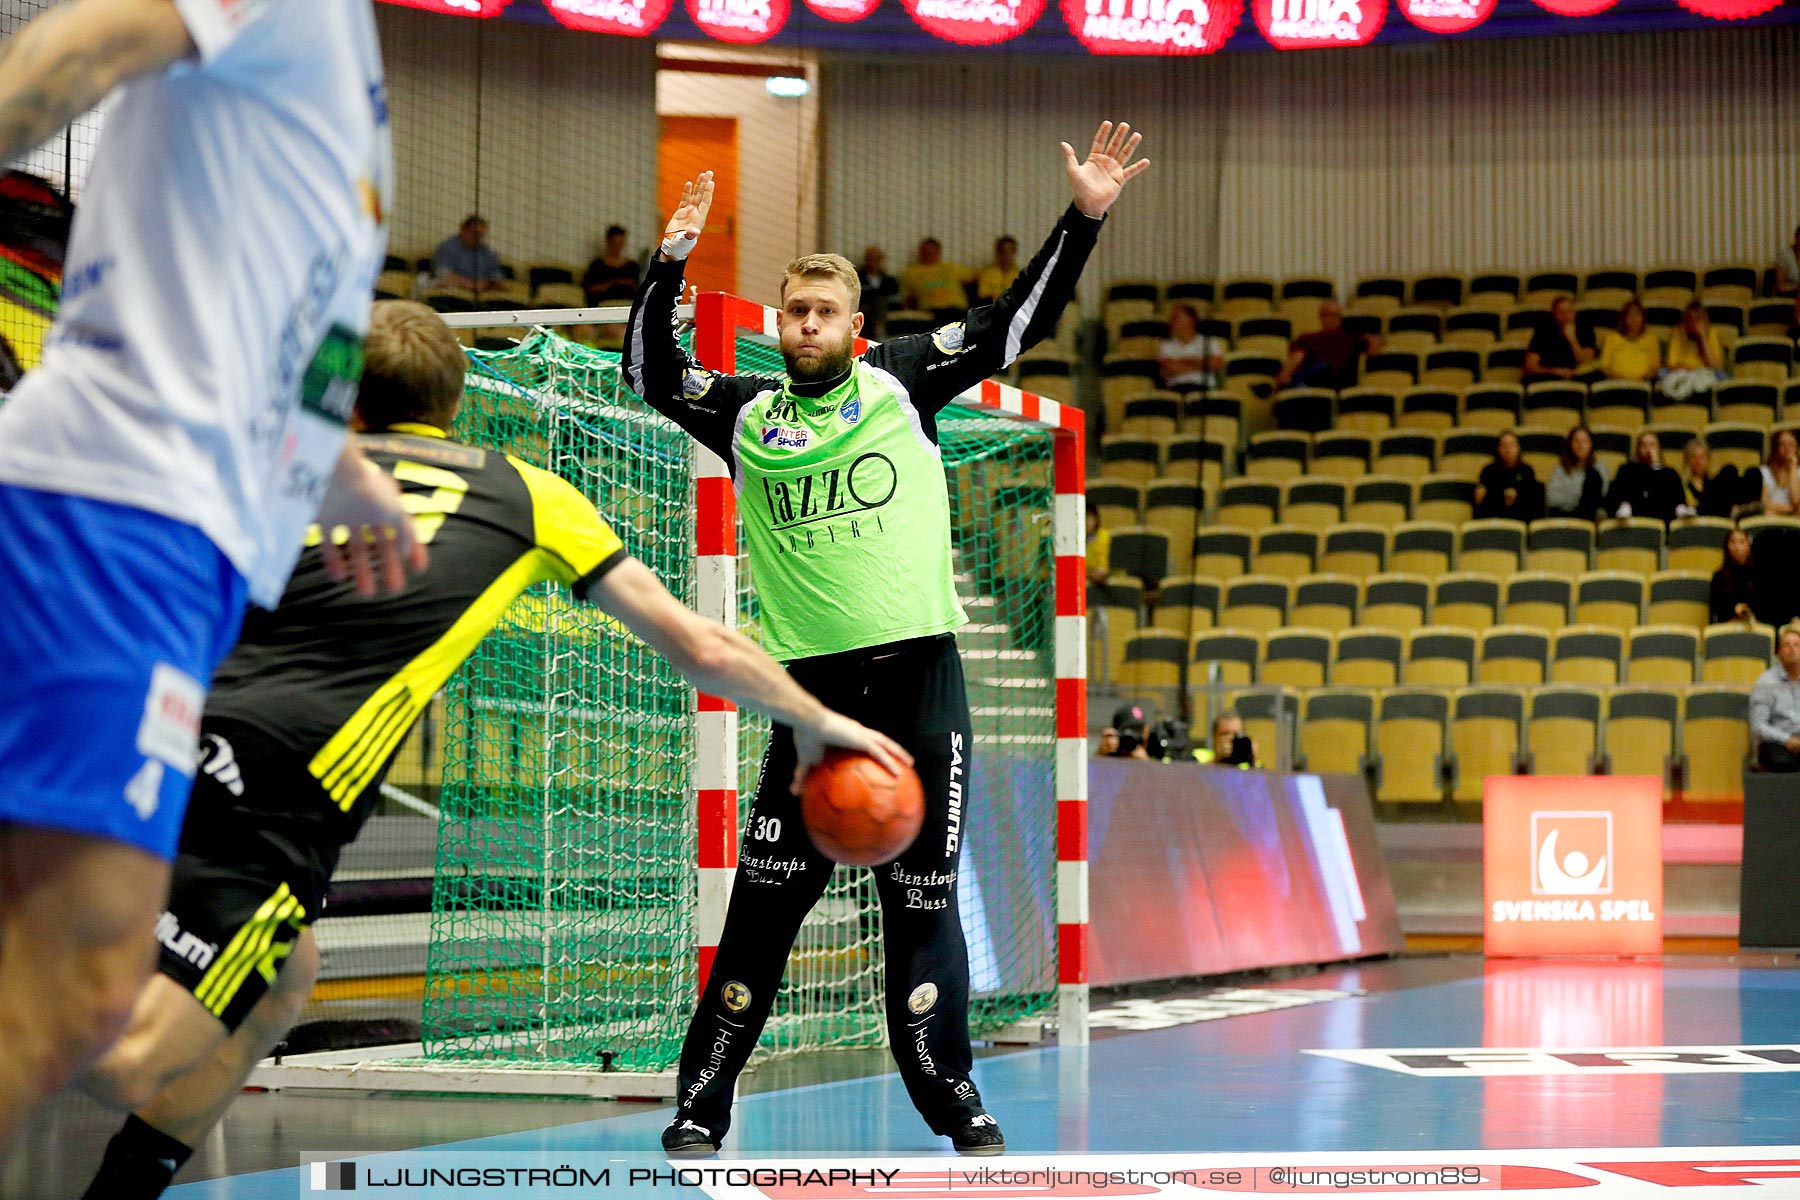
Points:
(308, 711)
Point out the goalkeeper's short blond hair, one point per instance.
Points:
(825, 266)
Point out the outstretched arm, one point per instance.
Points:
(67, 60)
(722, 662)
(702, 402)
(936, 367)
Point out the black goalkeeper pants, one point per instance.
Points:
(913, 692)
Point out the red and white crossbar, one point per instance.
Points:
(718, 320)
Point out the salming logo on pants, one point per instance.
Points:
(913, 692)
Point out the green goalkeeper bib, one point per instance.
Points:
(847, 516)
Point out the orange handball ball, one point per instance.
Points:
(858, 814)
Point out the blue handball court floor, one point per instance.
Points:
(1427, 1076)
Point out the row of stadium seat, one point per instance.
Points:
(1425, 327)
(1470, 600)
(1179, 508)
(1619, 404)
(1739, 282)
(1252, 373)
(1409, 453)
(1638, 545)
(1428, 745)
(1446, 656)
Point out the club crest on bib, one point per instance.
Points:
(736, 996)
(695, 384)
(922, 998)
(780, 437)
(851, 413)
(950, 338)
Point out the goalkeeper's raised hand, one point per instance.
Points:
(1098, 181)
(689, 219)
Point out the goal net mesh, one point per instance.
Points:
(562, 925)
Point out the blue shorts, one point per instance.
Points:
(114, 620)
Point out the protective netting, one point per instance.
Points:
(562, 927)
(562, 903)
(34, 213)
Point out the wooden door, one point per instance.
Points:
(688, 146)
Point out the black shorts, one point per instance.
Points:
(258, 846)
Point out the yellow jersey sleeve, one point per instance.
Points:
(575, 539)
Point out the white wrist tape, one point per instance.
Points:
(677, 247)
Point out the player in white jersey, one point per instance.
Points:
(162, 463)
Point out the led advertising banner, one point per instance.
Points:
(975, 22)
(842, 10)
(1203, 870)
(1446, 16)
(742, 22)
(1141, 28)
(627, 18)
(458, 8)
(1318, 24)
(1572, 865)
(1153, 26)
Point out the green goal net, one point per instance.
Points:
(562, 925)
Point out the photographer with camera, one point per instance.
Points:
(1231, 746)
(1127, 736)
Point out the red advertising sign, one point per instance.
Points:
(1446, 16)
(843, 10)
(1311, 24)
(1729, 10)
(742, 21)
(1153, 26)
(1576, 8)
(975, 22)
(632, 18)
(458, 8)
(1572, 865)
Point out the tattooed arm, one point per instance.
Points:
(67, 60)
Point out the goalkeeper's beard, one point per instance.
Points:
(830, 364)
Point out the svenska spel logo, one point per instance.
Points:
(1571, 853)
(334, 1177)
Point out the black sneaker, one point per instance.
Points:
(980, 1136)
(689, 1140)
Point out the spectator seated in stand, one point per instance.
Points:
(1644, 487)
(1735, 587)
(936, 286)
(998, 275)
(465, 260)
(1577, 486)
(1560, 350)
(10, 370)
(1508, 487)
(1188, 360)
(1710, 494)
(1696, 358)
(1326, 358)
(1780, 488)
(1787, 268)
(612, 278)
(1775, 708)
(1099, 547)
(879, 291)
(1631, 352)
